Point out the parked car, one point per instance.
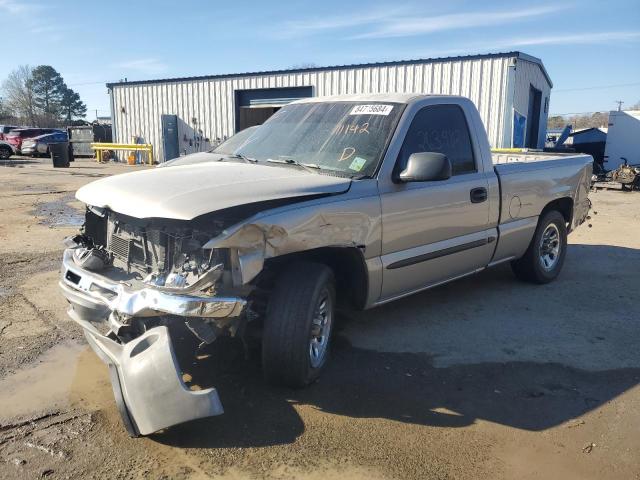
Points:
(16, 136)
(6, 150)
(39, 145)
(349, 201)
(4, 129)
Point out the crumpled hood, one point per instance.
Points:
(184, 192)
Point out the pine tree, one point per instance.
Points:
(71, 106)
(48, 88)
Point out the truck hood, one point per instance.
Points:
(184, 192)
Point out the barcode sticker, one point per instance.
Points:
(371, 110)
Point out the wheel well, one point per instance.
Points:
(348, 266)
(563, 205)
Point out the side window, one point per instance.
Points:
(442, 129)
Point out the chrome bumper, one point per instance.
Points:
(99, 296)
(145, 374)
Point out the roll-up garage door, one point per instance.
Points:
(254, 107)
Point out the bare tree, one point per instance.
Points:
(635, 106)
(594, 120)
(19, 95)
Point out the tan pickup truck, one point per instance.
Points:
(338, 202)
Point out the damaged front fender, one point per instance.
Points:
(343, 223)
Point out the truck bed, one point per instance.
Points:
(524, 156)
(533, 179)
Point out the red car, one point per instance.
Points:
(4, 129)
(15, 137)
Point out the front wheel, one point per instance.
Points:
(544, 258)
(298, 325)
(5, 152)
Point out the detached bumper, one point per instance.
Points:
(145, 374)
(146, 382)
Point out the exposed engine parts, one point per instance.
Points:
(92, 258)
(626, 178)
(627, 175)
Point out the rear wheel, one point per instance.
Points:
(543, 260)
(298, 325)
(5, 152)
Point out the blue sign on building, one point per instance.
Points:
(519, 129)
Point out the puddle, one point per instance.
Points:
(18, 163)
(4, 291)
(43, 386)
(58, 212)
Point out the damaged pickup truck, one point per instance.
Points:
(336, 202)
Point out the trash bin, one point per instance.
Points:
(59, 154)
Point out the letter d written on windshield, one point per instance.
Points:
(347, 153)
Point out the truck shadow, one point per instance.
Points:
(524, 393)
(404, 387)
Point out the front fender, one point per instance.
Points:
(353, 222)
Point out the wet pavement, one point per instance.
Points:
(58, 212)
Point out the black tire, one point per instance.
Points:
(5, 152)
(287, 335)
(529, 267)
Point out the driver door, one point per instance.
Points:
(436, 230)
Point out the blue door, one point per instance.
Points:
(170, 137)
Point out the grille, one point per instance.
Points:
(120, 247)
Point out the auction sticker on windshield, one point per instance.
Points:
(371, 110)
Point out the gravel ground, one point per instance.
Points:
(483, 378)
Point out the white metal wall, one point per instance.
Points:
(530, 74)
(137, 108)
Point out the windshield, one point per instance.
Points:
(231, 144)
(345, 137)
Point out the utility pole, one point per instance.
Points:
(619, 102)
(96, 114)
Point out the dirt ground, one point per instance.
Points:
(483, 378)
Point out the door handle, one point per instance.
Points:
(478, 195)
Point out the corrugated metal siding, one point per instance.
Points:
(529, 74)
(212, 102)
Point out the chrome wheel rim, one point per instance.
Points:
(550, 247)
(320, 329)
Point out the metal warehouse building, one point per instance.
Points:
(185, 115)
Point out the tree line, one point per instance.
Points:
(38, 96)
(591, 120)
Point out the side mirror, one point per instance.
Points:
(426, 167)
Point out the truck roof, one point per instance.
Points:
(374, 97)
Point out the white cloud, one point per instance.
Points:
(505, 44)
(147, 66)
(13, 7)
(508, 44)
(420, 25)
(405, 22)
(30, 15)
(295, 28)
(569, 39)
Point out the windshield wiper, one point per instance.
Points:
(240, 156)
(310, 167)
